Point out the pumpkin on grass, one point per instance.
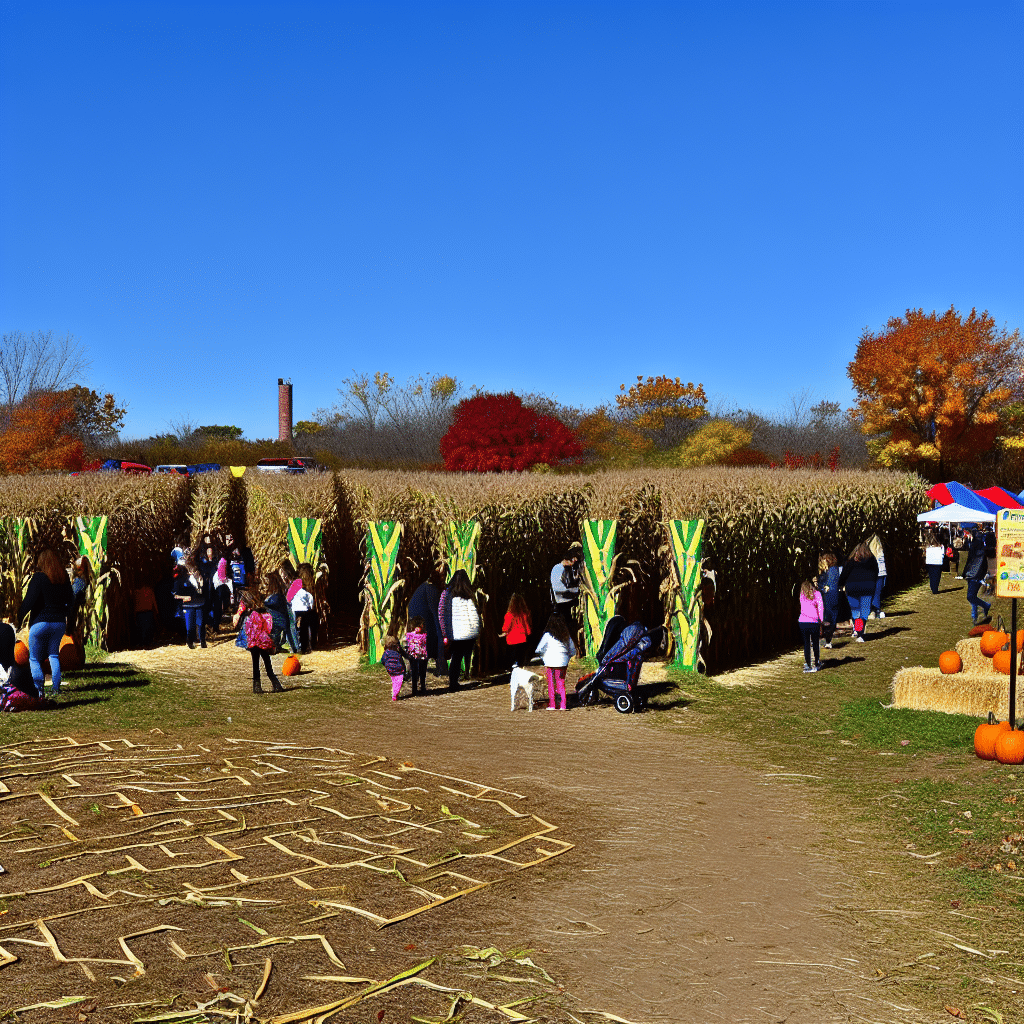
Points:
(292, 665)
(21, 652)
(1009, 747)
(992, 641)
(985, 737)
(950, 662)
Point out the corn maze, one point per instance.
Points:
(132, 860)
(761, 536)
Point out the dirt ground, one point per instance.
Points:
(651, 879)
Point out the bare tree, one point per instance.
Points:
(37, 362)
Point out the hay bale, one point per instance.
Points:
(963, 693)
(974, 661)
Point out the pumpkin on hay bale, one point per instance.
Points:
(950, 663)
(292, 666)
(21, 652)
(978, 630)
(1001, 661)
(992, 641)
(963, 693)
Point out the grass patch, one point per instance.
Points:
(888, 728)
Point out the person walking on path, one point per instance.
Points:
(394, 664)
(416, 651)
(812, 614)
(859, 576)
(934, 556)
(828, 585)
(460, 624)
(975, 568)
(259, 642)
(190, 590)
(515, 631)
(557, 650)
(47, 603)
(875, 543)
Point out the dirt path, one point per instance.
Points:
(696, 892)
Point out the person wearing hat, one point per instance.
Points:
(974, 571)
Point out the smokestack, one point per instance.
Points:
(284, 409)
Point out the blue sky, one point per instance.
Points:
(548, 197)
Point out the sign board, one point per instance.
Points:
(1010, 553)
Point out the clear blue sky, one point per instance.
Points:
(543, 196)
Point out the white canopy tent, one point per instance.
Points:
(956, 514)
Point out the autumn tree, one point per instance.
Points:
(41, 435)
(650, 416)
(930, 386)
(36, 362)
(495, 433)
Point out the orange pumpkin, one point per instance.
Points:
(1009, 747)
(1020, 640)
(949, 662)
(21, 652)
(978, 630)
(71, 657)
(1001, 662)
(292, 665)
(992, 641)
(985, 737)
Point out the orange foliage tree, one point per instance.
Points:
(41, 435)
(647, 419)
(930, 387)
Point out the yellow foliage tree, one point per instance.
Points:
(712, 443)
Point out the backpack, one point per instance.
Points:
(257, 631)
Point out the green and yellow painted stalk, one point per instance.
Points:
(92, 543)
(379, 584)
(686, 540)
(461, 541)
(598, 569)
(305, 542)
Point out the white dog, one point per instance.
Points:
(522, 679)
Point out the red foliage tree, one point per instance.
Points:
(497, 433)
(40, 435)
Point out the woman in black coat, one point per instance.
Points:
(859, 576)
(423, 603)
(975, 569)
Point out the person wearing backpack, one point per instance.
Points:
(258, 628)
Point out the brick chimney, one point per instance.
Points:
(284, 409)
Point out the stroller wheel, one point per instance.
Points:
(624, 703)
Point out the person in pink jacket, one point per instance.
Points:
(812, 612)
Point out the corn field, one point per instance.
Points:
(764, 530)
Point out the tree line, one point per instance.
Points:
(939, 393)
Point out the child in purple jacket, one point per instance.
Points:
(394, 663)
(812, 612)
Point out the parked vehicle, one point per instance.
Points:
(181, 470)
(282, 465)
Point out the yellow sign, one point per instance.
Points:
(1010, 552)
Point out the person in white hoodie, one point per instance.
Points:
(460, 624)
(557, 649)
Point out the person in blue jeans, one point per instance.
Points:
(859, 576)
(47, 603)
(975, 569)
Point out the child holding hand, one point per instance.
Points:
(557, 649)
(812, 612)
(416, 650)
(393, 661)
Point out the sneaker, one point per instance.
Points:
(871, 615)
(860, 639)
(807, 668)
(958, 577)
(817, 668)
(828, 646)
(881, 615)
(551, 707)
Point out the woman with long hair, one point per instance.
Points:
(859, 576)
(47, 602)
(190, 589)
(460, 624)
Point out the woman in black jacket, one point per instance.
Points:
(974, 571)
(47, 603)
(190, 589)
(859, 576)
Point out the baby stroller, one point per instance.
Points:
(620, 657)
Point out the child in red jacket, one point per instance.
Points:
(516, 630)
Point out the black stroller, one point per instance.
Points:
(620, 657)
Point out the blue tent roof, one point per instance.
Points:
(969, 499)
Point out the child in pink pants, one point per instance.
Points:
(557, 649)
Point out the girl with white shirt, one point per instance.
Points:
(557, 649)
(934, 553)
